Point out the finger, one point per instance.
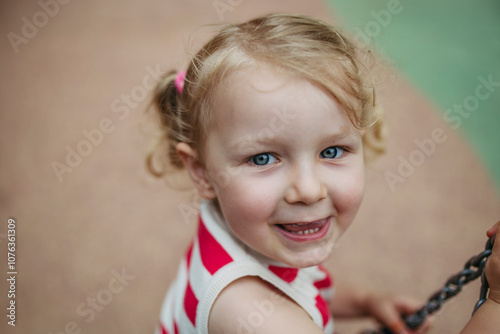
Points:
(397, 327)
(492, 231)
(389, 315)
(424, 328)
(493, 266)
(407, 306)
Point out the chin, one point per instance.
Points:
(310, 258)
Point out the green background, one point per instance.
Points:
(443, 46)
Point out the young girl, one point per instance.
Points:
(272, 122)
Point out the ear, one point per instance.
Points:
(196, 169)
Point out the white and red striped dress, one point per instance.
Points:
(216, 258)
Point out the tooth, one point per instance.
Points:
(300, 232)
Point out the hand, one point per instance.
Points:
(493, 265)
(390, 312)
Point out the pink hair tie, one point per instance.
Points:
(179, 81)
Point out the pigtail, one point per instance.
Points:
(167, 101)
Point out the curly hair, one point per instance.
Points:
(300, 45)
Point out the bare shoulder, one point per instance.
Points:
(251, 305)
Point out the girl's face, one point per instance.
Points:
(285, 163)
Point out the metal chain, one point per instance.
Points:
(472, 270)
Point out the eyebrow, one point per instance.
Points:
(264, 140)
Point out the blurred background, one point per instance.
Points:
(99, 239)
(445, 48)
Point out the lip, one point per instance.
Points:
(306, 237)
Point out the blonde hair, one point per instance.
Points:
(297, 44)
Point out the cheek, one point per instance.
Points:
(245, 203)
(348, 194)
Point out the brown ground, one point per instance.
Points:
(109, 214)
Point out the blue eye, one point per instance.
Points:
(262, 159)
(332, 152)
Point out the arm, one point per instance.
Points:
(251, 305)
(487, 318)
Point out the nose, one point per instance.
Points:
(305, 187)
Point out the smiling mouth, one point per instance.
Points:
(304, 228)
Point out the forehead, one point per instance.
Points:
(259, 95)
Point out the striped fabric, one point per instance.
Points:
(216, 258)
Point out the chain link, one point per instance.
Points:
(472, 270)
